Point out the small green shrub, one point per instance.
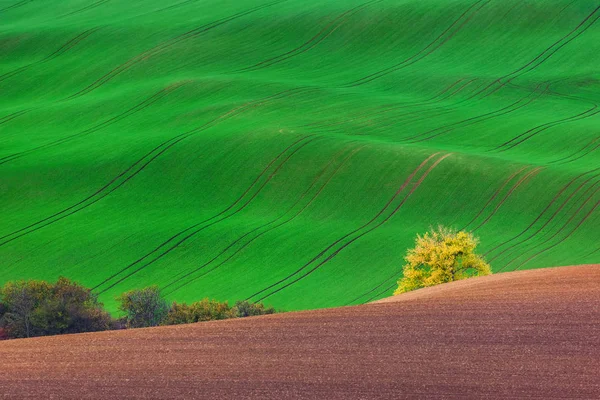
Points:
(246, 309)
(143, 307)
(37, 308)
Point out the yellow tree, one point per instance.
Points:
(441, 255)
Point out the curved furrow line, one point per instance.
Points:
(395, 275)
(583, 153)
(559, 231)
(572, 155)
(544, 211)
(521, 181)
(388, 288)
(588, 113)
(133, 170)
(60, 51)
(323, 34)
(176, 236)
(238, 250)
(385, 207)
(134, 110)
(442, 39)
(381, 293)
(17, 4)
(362, 234)
(418, 114)
(555, 218)
(543, 57)
(201, 228)
(345, 245)
(175, 5)
(549, 220)
(335, 121)
(540, 128)
(12, 116)
(491, 199)
(89, 7)
(164, 46)
(528, 99)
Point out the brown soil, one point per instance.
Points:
(530, 334)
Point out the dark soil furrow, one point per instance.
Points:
(176, 236)
(362, 234)
(200, 229)
(544, 211)
(311, 200)
(491, 199)
(521, 181)
(549, 220)
(418, 56)
(164, 46)
(385, 207)
(585, 218)
(126, 175)
(323, 34)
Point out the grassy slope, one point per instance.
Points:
(250, 148)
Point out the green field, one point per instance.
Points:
(289, 151)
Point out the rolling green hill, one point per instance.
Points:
(289, 151)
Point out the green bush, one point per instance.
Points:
(245, 309)
(144, 307)
(200, 311)
(37, 308)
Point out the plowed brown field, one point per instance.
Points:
(532, 334)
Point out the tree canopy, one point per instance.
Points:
(439, 256)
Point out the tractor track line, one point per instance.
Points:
(60, 51)
(521, 181)
(134, 110)
(323, 34)
(419, 114)
(491, 199)
(164, 46)
(529, 98)
(554, 200)
(553, 123)
(585, 153)
(402, 187)
(409, 61)
(390, 108)
(395, 275)
(352, 153)
(254, 183)
(174, 6)
(12, 116)
(362, 234)
(552, 217)
(161, 255)
(89, 7)
(314, 182)
(160, 149)
(18, 4)
(540, 128)
(564, 226)
(563, 160)
(518, 72)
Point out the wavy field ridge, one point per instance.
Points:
(288, 152)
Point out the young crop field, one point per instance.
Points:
(288, 151)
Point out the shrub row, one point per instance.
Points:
(38, 308)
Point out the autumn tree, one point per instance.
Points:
(439, 256)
